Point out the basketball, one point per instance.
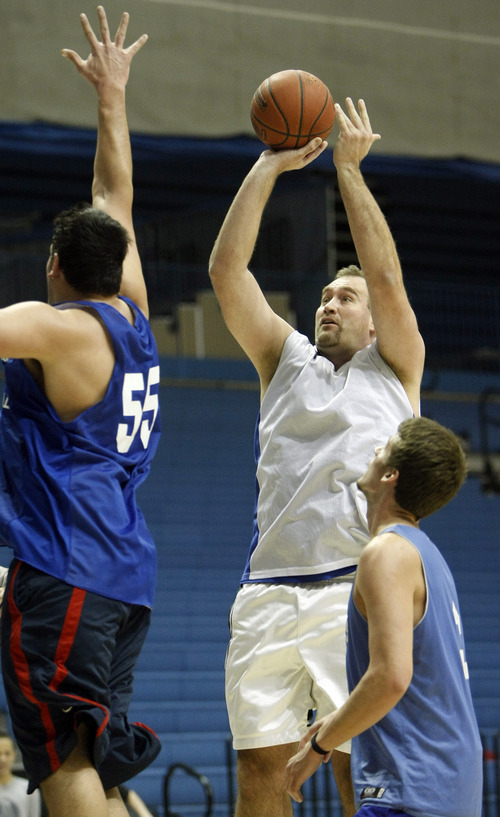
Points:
(290, 108)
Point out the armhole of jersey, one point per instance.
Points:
(424, 573)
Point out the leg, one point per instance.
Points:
(260, 782)
(132, 746)
(116, 806)
(341, 763)
(75, 788)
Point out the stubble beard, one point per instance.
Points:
(326, 339)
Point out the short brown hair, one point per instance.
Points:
(431, 463)
(352, 269)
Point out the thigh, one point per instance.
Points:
(128, 644)
(268, 689)
(262, 770)
(131, 746)
(322, 639)
(57, 652)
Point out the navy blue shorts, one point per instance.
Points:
(68, 658)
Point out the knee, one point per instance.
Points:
(263, 770)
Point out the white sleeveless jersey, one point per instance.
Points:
(317, 432)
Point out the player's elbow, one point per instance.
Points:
(219, 264)
(214, 269)
(401, 684)
(397, 681)
(223, 278)
(392, 681)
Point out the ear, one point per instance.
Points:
(55, 270)
(391, 475)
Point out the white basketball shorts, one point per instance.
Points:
(286, 657)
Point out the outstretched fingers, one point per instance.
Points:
(89, 33)
(365, 119)
(121, 31)
(91, 38)
(344, 123)
(108, 59)
(103, 25)
(352, 111)
(358, 118)
(74, 58)
(351, 121)
(135, 47)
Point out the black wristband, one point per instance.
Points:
(317, 748)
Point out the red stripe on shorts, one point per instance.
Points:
(145, 726)
(66, 641)
(21, 669)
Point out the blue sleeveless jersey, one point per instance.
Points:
(68, 490)
(425, 756)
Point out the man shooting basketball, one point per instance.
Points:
(323, 408)
(78, 429)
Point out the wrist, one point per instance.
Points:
(268, 165)
(349, 168)
(317, 748)
(110, 94)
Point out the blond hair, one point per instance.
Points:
(352, 269)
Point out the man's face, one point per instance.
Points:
(7, 755)
(377, 467)
(343, 319)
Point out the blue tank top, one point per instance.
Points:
(68, 489)
(425, 756)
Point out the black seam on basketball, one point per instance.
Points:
(287, 134)
(319, 117)
(264, 127)
(279, 109)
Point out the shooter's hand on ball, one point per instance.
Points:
(294, 158)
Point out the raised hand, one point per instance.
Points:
(355, 134)
(108, 62)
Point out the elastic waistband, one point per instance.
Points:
(347, 579)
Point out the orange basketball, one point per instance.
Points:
(290, 108)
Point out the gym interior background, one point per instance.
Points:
(428, 73)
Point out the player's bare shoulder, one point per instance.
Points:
(76, 376)
(85, 329)
(388, 564)
(385, 549)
